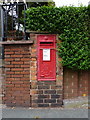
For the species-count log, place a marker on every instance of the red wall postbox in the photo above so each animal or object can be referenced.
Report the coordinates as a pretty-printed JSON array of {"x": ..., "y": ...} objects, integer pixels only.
[{"x": 46, "y": 57}]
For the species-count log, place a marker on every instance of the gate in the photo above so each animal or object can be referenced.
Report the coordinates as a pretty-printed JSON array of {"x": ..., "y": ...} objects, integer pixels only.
[{"x": 12, "y": 25}]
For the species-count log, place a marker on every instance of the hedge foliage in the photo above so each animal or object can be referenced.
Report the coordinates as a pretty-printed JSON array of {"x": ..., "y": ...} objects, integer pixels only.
[{"x": 71, "y": 23}]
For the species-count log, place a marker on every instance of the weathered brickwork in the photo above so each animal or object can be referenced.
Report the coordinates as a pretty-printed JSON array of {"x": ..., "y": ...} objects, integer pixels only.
[
  {"x": 21, "y": 85},
  {"x": 45, "y": 93},
  {"x": 84, "y": 78},
  {"x": 1, "y": 80},
  {"x": 49, "y": 94},
  {"x": 0, "y": 85},
  {"x": 17, "y": 70},
  {"x": 76, "y": 83}
]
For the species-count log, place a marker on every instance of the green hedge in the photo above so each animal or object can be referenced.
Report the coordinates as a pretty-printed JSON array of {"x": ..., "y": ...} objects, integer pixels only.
[{"x": 71, "y": 23}]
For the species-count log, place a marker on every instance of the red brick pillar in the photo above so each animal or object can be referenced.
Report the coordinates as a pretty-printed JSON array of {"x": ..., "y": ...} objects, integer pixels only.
[
  {"x": 45, "y": 93},
  {"x": 33, "y": 72}
]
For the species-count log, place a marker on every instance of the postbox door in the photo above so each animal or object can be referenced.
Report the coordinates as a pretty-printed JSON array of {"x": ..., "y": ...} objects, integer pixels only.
[{"x": 47, "y": 61}]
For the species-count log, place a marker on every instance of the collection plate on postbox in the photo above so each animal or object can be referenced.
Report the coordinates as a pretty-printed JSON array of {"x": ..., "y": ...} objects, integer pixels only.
[
  {"x": 46, "y": 54},
  {"x": 46, "y": 57}
]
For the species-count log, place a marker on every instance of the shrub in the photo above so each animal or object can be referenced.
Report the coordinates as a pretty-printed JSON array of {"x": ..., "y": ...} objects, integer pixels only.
[{"x": 71, "y": 23}]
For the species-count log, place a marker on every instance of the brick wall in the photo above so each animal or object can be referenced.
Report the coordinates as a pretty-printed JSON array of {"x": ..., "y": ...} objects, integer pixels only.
[
  {"x": 21, "y": 85},
  {"x": 17, "y": 79},
  {"x": 84, "y": 77},
  {"x": 75, "y": 83},
  {"x": 0, "y": 85},
  {"x": 48, "y": 95},
  {"x": 1, "y": 79}
]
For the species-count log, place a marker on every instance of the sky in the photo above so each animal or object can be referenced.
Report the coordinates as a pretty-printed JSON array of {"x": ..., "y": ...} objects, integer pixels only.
[
  {"x": 60, "y": 2},
  {"x": 71, "y": 2}
]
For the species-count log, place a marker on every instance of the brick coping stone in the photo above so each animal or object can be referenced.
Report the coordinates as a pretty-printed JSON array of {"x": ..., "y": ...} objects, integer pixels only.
[{"x": 16, "y": 42}]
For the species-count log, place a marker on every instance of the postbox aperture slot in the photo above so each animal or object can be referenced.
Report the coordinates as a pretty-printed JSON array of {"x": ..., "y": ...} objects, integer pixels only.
[{"x": 46, "y": 43}]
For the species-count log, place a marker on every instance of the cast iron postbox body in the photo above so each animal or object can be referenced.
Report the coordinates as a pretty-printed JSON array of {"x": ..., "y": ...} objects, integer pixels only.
[{"x": 46, "y": 57}]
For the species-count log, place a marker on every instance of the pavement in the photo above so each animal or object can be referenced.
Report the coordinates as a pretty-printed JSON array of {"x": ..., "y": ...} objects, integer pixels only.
[
  {"x": 73, "y": 108},
  {"x": 44, "y": 113},
  {"x": 79, "y": 102}
]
